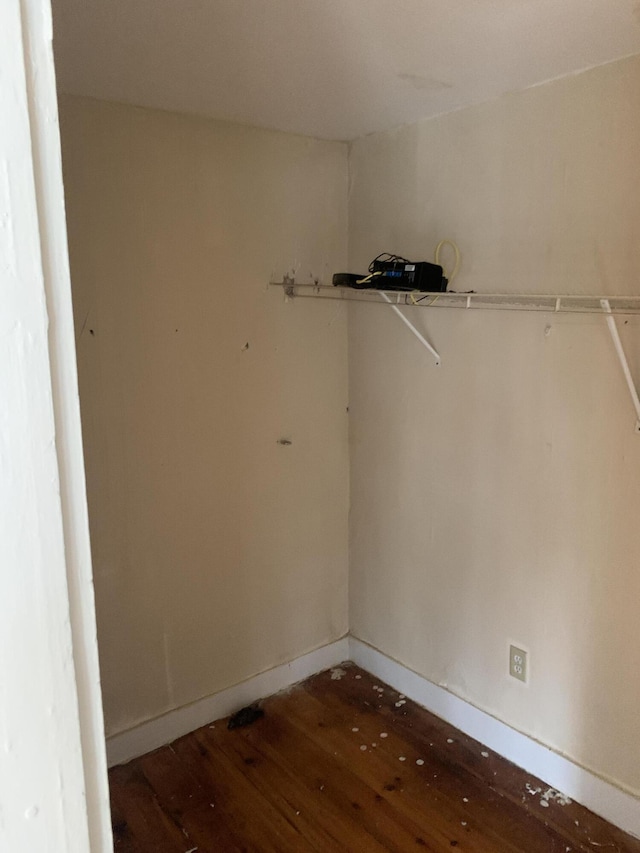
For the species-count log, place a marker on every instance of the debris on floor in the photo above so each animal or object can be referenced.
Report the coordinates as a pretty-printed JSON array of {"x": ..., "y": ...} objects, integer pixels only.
[{"x": 245, "y": 716}]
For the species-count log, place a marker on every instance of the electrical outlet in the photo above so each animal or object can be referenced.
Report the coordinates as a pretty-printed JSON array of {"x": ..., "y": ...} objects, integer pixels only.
[{"x": 518, "y": 663}]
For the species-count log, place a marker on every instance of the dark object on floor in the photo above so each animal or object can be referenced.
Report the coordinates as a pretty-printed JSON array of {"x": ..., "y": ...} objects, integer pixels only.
[{"x": 245, "y": 716}]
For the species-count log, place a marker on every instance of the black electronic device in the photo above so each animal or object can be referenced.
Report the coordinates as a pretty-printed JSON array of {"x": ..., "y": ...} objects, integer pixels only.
[
  {"x": 391, "y": 272},
  {"x": 348, "y": 279},
  {"x": 405, "y": 275}
]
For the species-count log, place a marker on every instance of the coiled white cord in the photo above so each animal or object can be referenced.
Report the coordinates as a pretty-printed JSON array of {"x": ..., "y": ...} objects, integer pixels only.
[{"x": 456, "y": 265}]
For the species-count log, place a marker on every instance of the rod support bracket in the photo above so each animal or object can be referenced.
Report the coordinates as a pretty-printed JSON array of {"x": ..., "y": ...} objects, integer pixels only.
[
  {"x": 622, "y": 358},
  {"x": 425, "y": 343}
]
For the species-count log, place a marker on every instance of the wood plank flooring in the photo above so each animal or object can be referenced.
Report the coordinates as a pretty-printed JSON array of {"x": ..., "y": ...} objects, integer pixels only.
[{"x": 343, "y": 763}]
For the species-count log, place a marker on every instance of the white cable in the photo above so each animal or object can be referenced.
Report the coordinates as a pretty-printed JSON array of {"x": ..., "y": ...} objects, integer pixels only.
[{"x": 456, "y": 266}]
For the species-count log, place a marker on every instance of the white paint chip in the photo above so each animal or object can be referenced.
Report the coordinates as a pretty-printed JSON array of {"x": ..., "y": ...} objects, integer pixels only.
[
  {"x": 420, "y": 761},
  {"x": 449, "y": 740},
  {"x": 193, "y": 850},
  {"x": 383, "y": 734},
  {"x": 355, "y": 729},
  {"x": 465, "y": 799},
  {"x": 463, "y": 823},
  {"x": 402, "y": 758},
  {"x": 484, "y": 754},
  {"x": 358, "y": 677},
  {"x": 547, "y": 796},
  {"x": 337, "y": 673},
  {"x": 560, "y": 798},
  {"x": 363, "y": 747}
]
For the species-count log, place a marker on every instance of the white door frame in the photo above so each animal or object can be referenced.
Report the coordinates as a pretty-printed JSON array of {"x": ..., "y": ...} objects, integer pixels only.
[{"x": 53, "y": 781}]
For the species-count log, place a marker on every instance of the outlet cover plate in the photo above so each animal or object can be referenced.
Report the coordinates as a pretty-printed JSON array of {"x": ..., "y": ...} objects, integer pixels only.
[{"x": 518, "y": 663}]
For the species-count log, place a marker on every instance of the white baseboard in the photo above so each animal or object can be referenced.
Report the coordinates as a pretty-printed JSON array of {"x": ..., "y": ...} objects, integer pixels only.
[
  {"x": 162, "y": 730},
  {"x": 602, "y": 797}
]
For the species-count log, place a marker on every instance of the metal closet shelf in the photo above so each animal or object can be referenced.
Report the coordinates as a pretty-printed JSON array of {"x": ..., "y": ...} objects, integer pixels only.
[
  {"x": 558, "y": 304},
  {"x": 607, "y": 306}
]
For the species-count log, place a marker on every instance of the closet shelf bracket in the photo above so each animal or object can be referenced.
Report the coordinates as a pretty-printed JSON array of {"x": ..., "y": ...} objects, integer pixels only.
[
  {"x": 610, "y": 306},
  {"x": 291, "y": 288},
  {"x": 617, "y": 343},
  {"x": 411, "y": 327}
]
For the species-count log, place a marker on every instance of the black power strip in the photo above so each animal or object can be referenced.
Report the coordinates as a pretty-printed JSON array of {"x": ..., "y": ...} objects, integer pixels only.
[
  {"x": 402, "y": 275},
  {"x": 396, "y": 275}
]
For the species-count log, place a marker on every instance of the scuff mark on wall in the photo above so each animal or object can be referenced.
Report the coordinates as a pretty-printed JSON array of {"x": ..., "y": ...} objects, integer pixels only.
[
  {"x": 84, "y": 324},
  {"x": 167, "y": 666},
  {"x": 424, "y": 83}
]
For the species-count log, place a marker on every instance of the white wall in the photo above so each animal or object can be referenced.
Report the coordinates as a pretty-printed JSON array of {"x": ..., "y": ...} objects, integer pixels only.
[
  {"x": 496, "y": 498},
  {"x": 53, "y": 784},
  {"x": 218, "y": 552},
  {"x": 493, "y": 499}
]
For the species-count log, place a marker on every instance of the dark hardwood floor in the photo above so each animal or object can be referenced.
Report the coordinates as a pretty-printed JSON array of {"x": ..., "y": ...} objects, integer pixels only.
[{"x": 343, "y": 763}]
